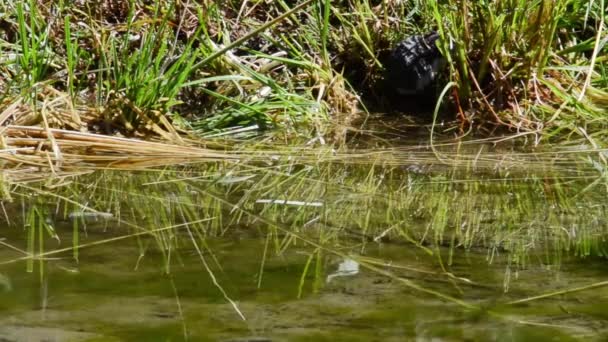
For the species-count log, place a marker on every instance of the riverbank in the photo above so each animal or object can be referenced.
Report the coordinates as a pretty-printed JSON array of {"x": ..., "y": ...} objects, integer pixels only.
[{"x": 307, "y": 69}]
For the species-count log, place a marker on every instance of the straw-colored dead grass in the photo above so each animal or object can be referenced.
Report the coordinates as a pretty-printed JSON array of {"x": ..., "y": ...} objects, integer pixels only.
[{"x": 58, "y": 148}]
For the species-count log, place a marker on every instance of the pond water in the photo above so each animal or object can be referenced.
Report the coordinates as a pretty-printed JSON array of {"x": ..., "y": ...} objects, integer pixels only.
[
  {"x": 385, "y": 247},
  {"x": 110, "y": 296}
]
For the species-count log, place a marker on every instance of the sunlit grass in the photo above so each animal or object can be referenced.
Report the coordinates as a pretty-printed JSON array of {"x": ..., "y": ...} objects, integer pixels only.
[
  {"x": 170, "y": 71},
  {"x": 159, "y": 69}
]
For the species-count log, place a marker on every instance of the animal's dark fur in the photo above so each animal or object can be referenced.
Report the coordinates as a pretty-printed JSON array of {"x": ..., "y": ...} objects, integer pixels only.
[
  {"x": 412, "y": 70},
  {"x": 414, "y": 63}
]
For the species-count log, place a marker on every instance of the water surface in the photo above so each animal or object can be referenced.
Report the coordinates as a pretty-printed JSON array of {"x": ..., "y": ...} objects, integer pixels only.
[{"x": 408, "y": 242}]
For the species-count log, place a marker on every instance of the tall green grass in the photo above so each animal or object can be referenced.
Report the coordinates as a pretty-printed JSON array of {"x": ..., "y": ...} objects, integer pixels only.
[
  {"x": 145, "y": 81},
  {"x": 33, "y": 53},
  {"x": 537, "y": 66},
  {"x": 521, "y": 61}
]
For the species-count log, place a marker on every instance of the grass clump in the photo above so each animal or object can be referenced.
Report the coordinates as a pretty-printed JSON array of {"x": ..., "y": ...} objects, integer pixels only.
[
  {"x": 527, "y": 64},
  {"x": 311, "y": 67},
  {"x": 139, "y": 68}
]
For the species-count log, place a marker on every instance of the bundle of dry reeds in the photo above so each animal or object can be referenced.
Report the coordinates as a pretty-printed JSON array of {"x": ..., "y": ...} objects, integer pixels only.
[{"x": 60, "y": 148}]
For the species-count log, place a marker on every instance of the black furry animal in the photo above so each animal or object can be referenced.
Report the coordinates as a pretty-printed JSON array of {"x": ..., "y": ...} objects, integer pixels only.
[{"x": 413, "y": 65}]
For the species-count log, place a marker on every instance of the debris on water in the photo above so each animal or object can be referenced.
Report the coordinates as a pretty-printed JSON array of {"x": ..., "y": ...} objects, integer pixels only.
[
  {"x": 90, "y": 215},
  {"x": 231, "y": 180},
  {"x": 415, "y": 168},
  {"x": 286, "y": 202},
  {"x": 347, "y": 268},
  {"x": 250, "y": 339},
  {"x": 5, "y": 283}
]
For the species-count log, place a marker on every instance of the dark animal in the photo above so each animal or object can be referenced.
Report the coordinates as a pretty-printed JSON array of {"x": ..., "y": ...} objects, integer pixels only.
[{"x": 413, "y": 66}]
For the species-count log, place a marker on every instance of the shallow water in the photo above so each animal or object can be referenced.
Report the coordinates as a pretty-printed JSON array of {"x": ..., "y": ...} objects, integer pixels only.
[
  {"x": 109, "y": 296},
  {"x": 409, "y": 248}
]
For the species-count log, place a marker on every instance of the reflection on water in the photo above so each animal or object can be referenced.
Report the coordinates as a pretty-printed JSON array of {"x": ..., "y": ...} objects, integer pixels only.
[
  {"x": 411, "y": 242},
  {"x": 112, "y": 294}
]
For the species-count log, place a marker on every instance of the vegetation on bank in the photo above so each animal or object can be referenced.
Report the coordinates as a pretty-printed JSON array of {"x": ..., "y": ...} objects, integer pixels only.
[{"x": 165, "y": 67}]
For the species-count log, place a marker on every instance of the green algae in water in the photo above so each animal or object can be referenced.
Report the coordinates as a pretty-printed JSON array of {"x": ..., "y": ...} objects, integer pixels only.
[{"x": 374, "y": 307}]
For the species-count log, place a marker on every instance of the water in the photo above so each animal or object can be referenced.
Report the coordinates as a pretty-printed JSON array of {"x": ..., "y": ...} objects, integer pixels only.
[
  {"x": 109, "y": 295},
  {"x": 388, "y": 246}
]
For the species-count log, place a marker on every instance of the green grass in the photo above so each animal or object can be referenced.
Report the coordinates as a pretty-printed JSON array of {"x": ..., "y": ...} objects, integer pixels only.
[
  {"x": 513, "y": 56},
  {"x": 144, "y": 68},
  {"x": 163, "y": 69}
]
